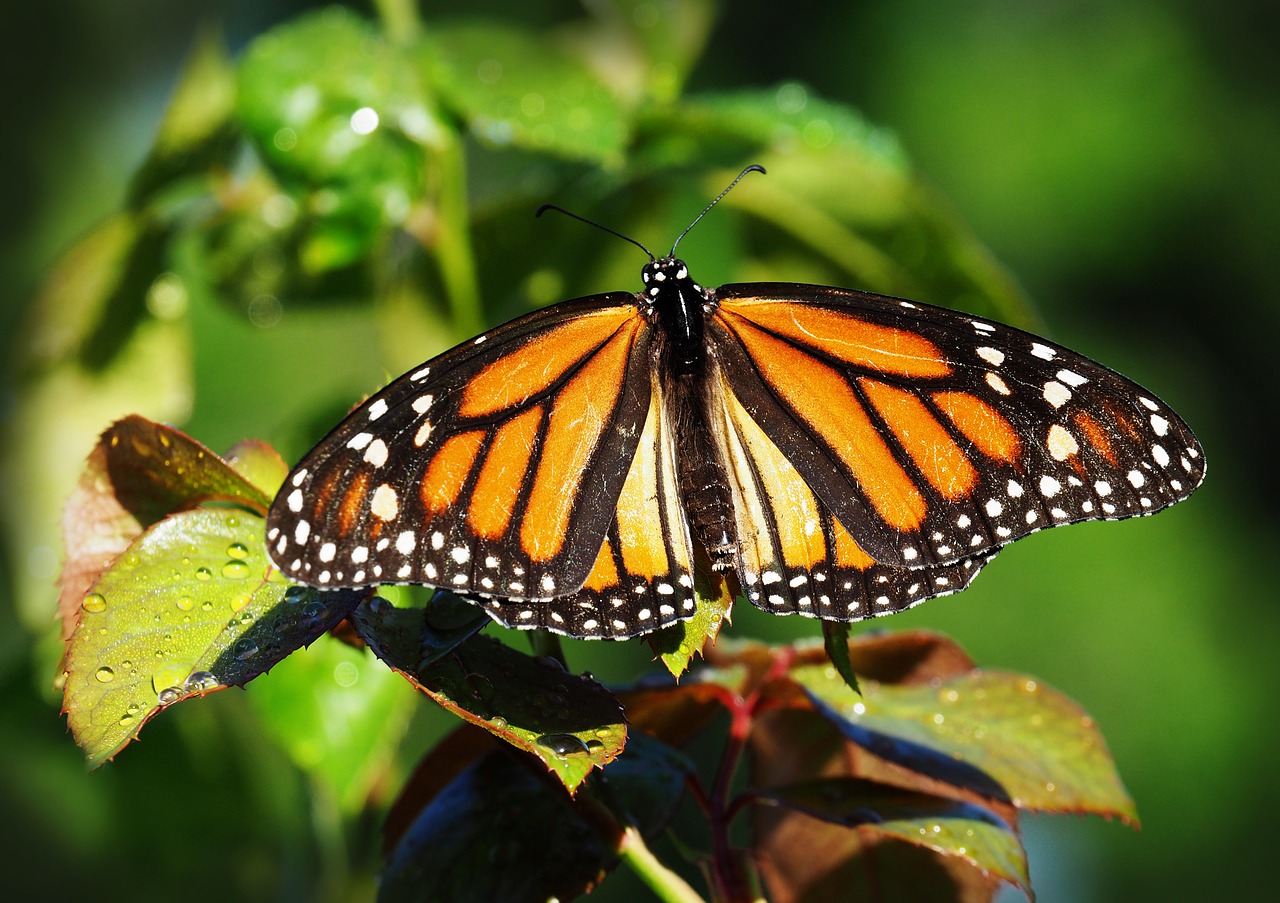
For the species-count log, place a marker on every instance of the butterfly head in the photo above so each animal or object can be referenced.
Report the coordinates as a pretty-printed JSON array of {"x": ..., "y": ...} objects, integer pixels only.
[{"x": 663, "y": 275}]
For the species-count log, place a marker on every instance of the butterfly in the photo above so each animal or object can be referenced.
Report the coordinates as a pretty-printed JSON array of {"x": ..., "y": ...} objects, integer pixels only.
[{"x": 842, "y": 454}]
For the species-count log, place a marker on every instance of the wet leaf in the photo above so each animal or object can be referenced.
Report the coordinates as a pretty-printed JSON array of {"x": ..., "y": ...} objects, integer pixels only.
[
  {"x": 514, "y": 89},
  {"x": 1037, "y": 745},
  {"x": 190, "y": 607},
  {"x": 138, "y": 472},
  {"x": 945, "y": 826},
  {"x": 568, "y": 721}
]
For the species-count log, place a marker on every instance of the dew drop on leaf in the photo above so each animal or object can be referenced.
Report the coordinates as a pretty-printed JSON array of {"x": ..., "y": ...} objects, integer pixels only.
[
  {"x": 95, "y": 602},
  {"x": 235, "y": 570},
  {"x": 203, "y": 573},
  {"x": 236, "y": 549},
  {"x": 169, "y": 695},
  {"x": 245, "y": 648},
  {"x": 200, "y": 681},
  {"x": 498, "y": 723},
  {"x": 105, "y": 675},
  {"x": 184, "y": 603},
  {"x": 562, "y": 745}
]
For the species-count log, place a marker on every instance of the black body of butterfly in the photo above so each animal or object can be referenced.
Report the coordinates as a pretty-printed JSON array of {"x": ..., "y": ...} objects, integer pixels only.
[{"x": 842, "y": 454}]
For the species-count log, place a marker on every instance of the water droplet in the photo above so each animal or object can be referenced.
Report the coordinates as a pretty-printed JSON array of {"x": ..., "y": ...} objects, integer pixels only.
[
  {"x": 594, "y": 745},
  {"x": 105, "y": 675},
  {"x": 126, "y": 664},
  {"x": 239, "y": 602},
  {"x": 235, "y": 570},
  {"x": 203, "y": 573},
  {"x": 562, "y": 745},
  {"x": 237, "y": 549},
  {"x": 313, "y": 613},
  {"x": 244, "y": 649},
  {"x": 499, "y": 723},
  {"x": 94, "y": 602},
  {"x": 125, "y": 719},
  {"x": 170, "y": 676},
  {"x": 200, "y": 681},
  {"x": 206, "y": 605},
  {"x": 184, "y": 603},
  {"x": 169, "y": 695},
  {"x": 481, "y": 686}
]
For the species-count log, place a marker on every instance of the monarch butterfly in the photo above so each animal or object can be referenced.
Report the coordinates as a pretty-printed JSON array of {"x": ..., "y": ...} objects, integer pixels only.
[{"x": 843, "y": 454}]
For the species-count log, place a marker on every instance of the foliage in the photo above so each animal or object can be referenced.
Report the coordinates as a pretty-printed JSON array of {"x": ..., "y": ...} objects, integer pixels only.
[{"x": 338, "y": 160}]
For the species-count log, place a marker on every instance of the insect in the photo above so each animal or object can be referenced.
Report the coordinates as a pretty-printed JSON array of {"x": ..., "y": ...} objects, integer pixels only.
[{"x": 842, "y": 454}]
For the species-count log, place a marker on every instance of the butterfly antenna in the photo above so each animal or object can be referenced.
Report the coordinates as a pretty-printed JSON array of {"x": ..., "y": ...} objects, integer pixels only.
[
  {"x": 545, "y": 207},
  {"x": 754, "y": 167}
]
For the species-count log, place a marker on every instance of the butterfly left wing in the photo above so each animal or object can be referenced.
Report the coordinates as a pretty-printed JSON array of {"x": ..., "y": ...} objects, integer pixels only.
[{"x": 936, "y": 437}]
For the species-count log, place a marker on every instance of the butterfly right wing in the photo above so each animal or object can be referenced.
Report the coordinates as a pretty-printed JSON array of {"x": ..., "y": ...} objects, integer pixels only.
[{"x": 494, "y": 468}]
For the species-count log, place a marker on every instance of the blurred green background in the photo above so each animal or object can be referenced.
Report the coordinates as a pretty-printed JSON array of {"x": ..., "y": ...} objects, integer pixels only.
[{"x": 1121, "y": 159}]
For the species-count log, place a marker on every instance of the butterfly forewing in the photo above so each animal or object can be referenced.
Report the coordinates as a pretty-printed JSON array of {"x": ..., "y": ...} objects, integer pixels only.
[
  {"x": 936, "y": 437},
  {"x": 493, "y": 469}
]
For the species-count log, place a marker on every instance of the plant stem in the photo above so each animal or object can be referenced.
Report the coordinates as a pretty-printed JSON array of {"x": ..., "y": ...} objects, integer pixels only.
[
  {"x": 665, "y": 884},
  {"x": 452, "y": 243},
  {"x": 399, "y": 19}
]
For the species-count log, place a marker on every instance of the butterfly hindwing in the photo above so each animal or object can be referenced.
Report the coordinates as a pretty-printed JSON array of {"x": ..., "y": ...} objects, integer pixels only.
[
  {"x": 642, "y": 578},
  {"x": 794, "y": 556},
  {"x": 492, "y": 469},
  {"x": 935, "y": 436}
]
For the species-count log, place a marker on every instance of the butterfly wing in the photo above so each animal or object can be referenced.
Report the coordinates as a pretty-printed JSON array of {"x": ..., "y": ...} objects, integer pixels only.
[
  {"x": 794, "y": 556},
  {"x": 932, "y": 436},
  {"x": 495, "y": 468},
  {"x": 642, "y": 578}
]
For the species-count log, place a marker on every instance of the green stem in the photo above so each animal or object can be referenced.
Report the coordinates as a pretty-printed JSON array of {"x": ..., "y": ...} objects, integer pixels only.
[
  {"x": 399, "y": 19},
  {"x": 666, "y": 885},
  {"x": 453, "y": 237}
]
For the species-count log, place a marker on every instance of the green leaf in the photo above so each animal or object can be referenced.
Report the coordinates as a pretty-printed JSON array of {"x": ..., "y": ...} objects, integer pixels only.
[
  {"x": 1043, "y": 751},
  {"x": 517, "y": 90},
  {"x": 138, "y": 472},
  {"x": 568, "y": 721},
  {"x": 945, "y": 826},
  {"x": 678, "y": 644},
  {"x": 191, "y": 606},
  {"x": 835, "y": 639},
  {"x": 337, "y": 115}
]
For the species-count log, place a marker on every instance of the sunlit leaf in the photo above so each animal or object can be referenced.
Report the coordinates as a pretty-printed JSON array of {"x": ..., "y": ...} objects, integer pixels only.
[
  {"x": 1039, "y": 746},
  {"x": 568, "y": 721},
  {"x": 190, "y": 607},
  {"x": 677, "y": 644},
  {"x": 514, "y": 89},
  {"x": 835, "y": 639}
]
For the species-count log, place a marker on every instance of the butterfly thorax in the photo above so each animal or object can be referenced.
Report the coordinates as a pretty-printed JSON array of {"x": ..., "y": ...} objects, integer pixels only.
[{"x": 677, "y": 302}]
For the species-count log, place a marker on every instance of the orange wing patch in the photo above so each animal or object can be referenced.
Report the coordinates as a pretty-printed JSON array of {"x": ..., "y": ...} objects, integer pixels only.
[
  {"x": 516, "y": 377},
  {"x": 581, "y": 414},
  {"x": 981, "y": 424},
  {"x": 928, "y": 443},
  {"x": 505, "y": 466},
  {"x": 881, "y": 348},
  {"x": 449, "y": 469},
  {"x": 827, "y": 404},
  {"x": 1096, "y": 435},
  {"x": 604, "y": 573}
]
